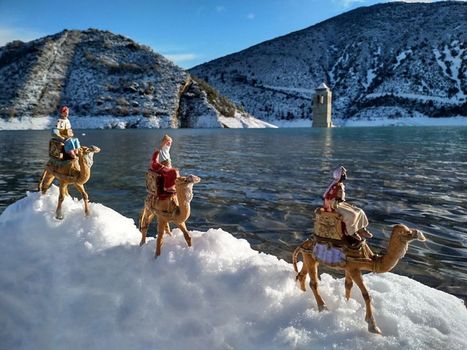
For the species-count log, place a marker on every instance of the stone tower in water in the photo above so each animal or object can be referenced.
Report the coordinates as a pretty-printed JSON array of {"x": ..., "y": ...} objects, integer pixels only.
[{"x": 322, "y": 107}]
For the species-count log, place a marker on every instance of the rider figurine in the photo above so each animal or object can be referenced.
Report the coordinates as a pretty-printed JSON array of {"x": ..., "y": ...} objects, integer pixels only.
[
  {"x": 162, "y": 164},
  {"x": 64, "y": 133},
  {"x": 334, "y": 199}
]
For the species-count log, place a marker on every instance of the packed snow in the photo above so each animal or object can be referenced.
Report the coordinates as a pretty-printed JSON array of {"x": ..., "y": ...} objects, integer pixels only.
[{"x": 84, "y": 283}]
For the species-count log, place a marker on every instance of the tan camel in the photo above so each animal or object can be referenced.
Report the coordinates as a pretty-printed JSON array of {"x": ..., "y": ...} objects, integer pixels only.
[
  {"x": 75, "y": 172},
  {"x": 174, "y": 209},
  {"x": 401, "y": 236}
]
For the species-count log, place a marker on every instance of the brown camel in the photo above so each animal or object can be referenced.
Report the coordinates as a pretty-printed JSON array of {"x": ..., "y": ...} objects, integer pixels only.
[
  {"x": 75, "y": 172},
  {"x": 401, "y": 236},
  {"x": 174, "y": 209}
]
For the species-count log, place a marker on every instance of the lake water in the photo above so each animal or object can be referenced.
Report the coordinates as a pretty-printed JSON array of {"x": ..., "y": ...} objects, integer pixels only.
[{"x": 263, "y": 184}]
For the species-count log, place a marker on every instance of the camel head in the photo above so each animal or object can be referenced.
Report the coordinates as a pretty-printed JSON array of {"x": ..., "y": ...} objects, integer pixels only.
[
  {"x": 406, "y": 234},
  {"x": 188, "y": 180},
  {"x": 87, "y": 154},
  {"x": 184, "y": 184}
]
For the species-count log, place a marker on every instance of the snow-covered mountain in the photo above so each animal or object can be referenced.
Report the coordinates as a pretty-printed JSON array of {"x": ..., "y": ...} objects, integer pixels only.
[
  {"x": 383, "y": 61},
  {"x": 98, "y": 73}
]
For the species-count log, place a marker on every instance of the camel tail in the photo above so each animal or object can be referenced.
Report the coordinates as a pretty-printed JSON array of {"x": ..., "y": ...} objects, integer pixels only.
[{"x": 295, "y": 254}]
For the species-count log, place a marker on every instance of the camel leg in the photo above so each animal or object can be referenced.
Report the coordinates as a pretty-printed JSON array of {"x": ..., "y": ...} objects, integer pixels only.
[
  {"x": 145, "y": 220},
  {"x": 187, "y": 236},
  {"x": 348, "y": 284},
  {"x": 84, "y": 195},
  {"x": 167, "y": 229},
  {"x": 301, "y": 276},
  {"x": 161, "y": 226},
  {"x": 40, "y": 184},
  {"x": 45, "y": 181},
  {"x": 358, "y": 279},
  {"x": 312, "y": 267},
  {"x": 61, "y": 196}
]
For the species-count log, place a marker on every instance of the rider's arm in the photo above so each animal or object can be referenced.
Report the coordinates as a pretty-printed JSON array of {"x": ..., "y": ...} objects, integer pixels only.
[
  {"x": 340, "y": 197},
  {"x": 56, "y": 134},
  {"x": 155, "y": 164}
]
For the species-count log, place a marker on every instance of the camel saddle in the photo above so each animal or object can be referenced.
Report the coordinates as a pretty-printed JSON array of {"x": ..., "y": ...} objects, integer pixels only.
[
  {"x": 330, "y": 239},
  {"x": 155, "y": 185}
]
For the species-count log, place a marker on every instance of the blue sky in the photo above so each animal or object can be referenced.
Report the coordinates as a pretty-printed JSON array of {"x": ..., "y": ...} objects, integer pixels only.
[{"x": 188, "y": 32}]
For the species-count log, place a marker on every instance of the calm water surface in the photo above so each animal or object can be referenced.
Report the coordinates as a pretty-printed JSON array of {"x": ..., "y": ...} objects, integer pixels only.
[{"x": 264, "y": 184}]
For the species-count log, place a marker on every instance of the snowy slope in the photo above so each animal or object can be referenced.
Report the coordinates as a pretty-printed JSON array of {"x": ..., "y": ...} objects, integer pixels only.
[
  {"x": 84, "y": 283},
  {"x": 389, "y": 60}
]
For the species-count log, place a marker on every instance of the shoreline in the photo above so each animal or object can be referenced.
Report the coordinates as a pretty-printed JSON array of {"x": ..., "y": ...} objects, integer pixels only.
[{"x": 140, "y": 122}]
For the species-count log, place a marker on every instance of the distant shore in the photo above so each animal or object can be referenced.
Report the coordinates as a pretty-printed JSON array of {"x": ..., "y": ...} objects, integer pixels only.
[{"x": 111, "y": 122}]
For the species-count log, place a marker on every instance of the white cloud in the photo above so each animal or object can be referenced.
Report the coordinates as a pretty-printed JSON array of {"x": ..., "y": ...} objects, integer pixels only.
[
  {"x": 220, "y": 9},
  {"x": 181, "y": 57},
  {"x": 8, "y": 34},
  {"x": 250, "y": 16},
  {"x": 347, "y": 3},
  {"x": 412, "y": 0}
]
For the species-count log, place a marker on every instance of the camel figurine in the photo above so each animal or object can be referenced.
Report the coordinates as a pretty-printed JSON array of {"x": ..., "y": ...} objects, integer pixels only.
[
  {"x": 401, "y": 236},
  {"x": 70, "y": 174},
  {"x": 174, "y": 209}
]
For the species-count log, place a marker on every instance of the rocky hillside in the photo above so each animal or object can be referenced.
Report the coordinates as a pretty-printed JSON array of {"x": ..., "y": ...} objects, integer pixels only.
[
  {"x": 97, "y": 73},
  {"x": 388, "y": 60}
]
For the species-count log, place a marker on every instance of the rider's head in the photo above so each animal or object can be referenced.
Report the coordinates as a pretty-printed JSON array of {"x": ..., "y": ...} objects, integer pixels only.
[
  {"x": 340, "y": 173},
  {"x": 64, "y": 112},
  {"x": 166, "y": 141}
]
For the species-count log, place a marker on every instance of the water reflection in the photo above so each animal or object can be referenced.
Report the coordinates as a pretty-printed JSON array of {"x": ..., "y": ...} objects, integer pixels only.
[{"x": 263, "y": 185}]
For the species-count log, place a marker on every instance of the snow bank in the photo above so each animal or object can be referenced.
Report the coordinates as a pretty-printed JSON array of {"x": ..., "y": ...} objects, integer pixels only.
[
  {"x": 242, "y": 121},
  {"x": 297, "y": 123},
  {"x": 84, "y": 283},
  {"x": 239, "y": 121},
  {"x": 111, "y": 122},
  {"x": 418, "y": 120}
]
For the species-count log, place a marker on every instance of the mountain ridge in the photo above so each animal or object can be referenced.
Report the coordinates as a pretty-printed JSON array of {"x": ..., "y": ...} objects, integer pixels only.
[
  {"x": 99, "y": 73},
  {"x": 371, "y": 60}
]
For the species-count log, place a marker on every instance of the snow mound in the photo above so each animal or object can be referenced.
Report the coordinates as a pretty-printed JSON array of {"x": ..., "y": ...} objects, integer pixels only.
[{"x": 84, "y": 283}]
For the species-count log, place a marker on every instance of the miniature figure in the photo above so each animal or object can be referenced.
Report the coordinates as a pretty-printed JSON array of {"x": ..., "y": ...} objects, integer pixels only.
[
  {"x": 69, "y": 172},
  {"x": 353, "y": 260},
  {"x": 174, "y": 207},
  {"x": 161, "y": 163},
  {"x": 168, "y": 198},
  {"x": 64, "y": 134},
  {"x": 354, "y": 218}
]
